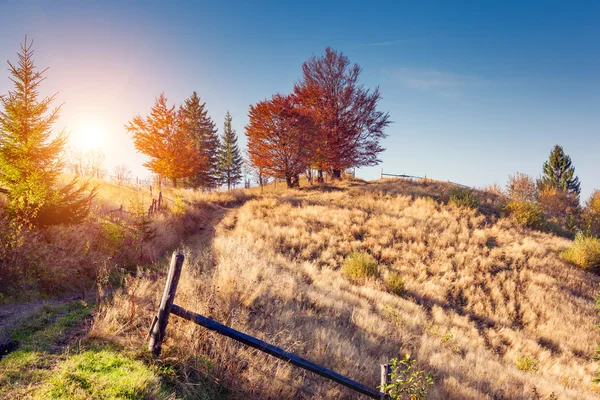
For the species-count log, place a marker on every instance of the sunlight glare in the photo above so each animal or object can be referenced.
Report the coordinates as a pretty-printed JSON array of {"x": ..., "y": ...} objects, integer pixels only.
[{"x": 87, "y": 134}]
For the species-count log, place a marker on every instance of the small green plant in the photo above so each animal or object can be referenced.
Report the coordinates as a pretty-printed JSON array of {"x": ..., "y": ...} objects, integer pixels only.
[
  {"x": 526, "y": 363},
  {"x": 407, "y": 381},
  {"x": 179, "y": 207},
  {"x": 395, "y": 284},
  {"x": 584, "y": 252},
  {"x": 527, "y": 214},
  {"x": 463, "y": 198},
  {"x": 359, "y": 266}
]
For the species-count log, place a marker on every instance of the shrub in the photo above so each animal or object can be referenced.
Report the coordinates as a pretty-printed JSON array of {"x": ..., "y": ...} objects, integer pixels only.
[
  {"x": 395, "y": 284},
  {"x": 179, "y": 208},
  {"x": 526, "y": 213},
  {"x": 591, "y": 214},
  {"x": 359, "y": 266},
  {"x": 463, "y": 198},
  {"x": 407, "y": 380},
  {"x": 521, "y": 187},
  {"x": 584, "y": 252},
  {"x": 526, "y": 363},
  {"x": 560, "y": 206}
]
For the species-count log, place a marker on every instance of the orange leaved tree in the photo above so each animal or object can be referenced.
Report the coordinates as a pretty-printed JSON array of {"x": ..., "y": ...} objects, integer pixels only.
[
  {"x": 164, "y": 138},
  {"x": 350, "y": 126},
  {"x": 280, "y": 138}
]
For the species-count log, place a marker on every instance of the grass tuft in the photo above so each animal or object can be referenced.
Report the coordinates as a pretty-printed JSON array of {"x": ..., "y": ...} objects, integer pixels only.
[
  {"x": 584, "y": 252},
  {"x": 358, "y": 266}
]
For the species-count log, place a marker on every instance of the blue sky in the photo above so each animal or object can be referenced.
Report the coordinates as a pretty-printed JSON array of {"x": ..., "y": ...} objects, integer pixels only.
[{"x": 476, "y": 90}]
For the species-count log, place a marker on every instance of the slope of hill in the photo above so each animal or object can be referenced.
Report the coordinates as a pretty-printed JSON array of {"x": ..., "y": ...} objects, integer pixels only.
[{"x": 489, "y": 308}]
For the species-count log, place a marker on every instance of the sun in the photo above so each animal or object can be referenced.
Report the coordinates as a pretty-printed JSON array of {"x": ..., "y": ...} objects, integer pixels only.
[{"x": 88, "y": 133}]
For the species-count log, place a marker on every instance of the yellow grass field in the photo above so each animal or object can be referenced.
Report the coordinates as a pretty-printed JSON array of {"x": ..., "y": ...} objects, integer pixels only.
[{"x": 489, "y": 307}]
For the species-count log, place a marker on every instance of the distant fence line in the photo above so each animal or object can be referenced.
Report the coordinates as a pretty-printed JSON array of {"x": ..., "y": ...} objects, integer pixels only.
[{"x": 422, "y": 177}]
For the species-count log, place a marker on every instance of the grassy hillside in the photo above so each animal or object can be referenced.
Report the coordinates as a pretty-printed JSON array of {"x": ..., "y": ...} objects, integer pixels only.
[{"x": 486, "y": 306}]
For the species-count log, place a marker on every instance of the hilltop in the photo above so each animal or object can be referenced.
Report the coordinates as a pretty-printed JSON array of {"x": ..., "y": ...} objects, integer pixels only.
[{"x": 485, "y": 305}]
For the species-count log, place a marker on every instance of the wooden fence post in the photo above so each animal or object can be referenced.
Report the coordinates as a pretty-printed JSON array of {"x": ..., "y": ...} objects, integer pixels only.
[
  {"x": 385, "y": 380},
  {"x": 159, "y": 327}
]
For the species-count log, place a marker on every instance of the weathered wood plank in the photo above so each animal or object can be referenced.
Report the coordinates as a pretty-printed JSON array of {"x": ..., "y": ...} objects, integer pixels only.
[
  {"x": 159, "y": 328},
  {"x": 275, "y": 351}
]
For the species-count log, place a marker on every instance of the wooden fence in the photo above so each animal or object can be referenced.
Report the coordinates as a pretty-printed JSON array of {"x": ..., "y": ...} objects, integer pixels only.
[
  {"x": 159, "y": 327},
  {"x": 421, "y": 177}
]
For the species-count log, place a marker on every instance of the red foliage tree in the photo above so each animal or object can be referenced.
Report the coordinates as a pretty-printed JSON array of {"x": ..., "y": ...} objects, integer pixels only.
[
  {"x": 163, "y": 137},
  {"x": 280, "y": 138},
  {"x": 350, "y": 127}
]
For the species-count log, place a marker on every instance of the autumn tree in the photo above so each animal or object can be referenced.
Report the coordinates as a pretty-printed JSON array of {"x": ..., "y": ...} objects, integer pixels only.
[
  {"x": 350, "y": 127},
  {"x": 591, "y": 213},
  {"x": 95, "y": 163},
  {"x": 163, "y": 137},
  {"x": 204, "y": 133},
  {"x": 559, "y": 173},
  {"x": 229, "y": 156},
  {"x": 31, "y": 153},
  {"x": 522, "y": 187},
  {"x": 280, "y": 138},
  {"x": 122, "y": 173}
]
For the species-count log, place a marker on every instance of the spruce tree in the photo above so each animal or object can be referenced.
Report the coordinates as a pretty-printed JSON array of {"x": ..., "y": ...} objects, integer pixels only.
[
  {"x": 31, "y": 153},
  {"x": 204, "y": 132},
  {"x": 230, "y": 158},
  {"x": 559, "y": 173}
]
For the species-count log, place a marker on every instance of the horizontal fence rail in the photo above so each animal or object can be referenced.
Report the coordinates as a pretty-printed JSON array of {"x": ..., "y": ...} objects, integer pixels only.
[
  {"x": 274, "y": 351},
  {"x": 422, "y": 177},
  {"x": 167, "y": 307}
]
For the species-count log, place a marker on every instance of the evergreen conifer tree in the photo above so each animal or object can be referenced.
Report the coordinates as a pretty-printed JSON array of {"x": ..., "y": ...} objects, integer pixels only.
[
  {"x": 559, "y": 173},
  {"x": 204, "y": 132},
  {"x": 31, "y": 154},
  {"x": 230, "y": 158}
]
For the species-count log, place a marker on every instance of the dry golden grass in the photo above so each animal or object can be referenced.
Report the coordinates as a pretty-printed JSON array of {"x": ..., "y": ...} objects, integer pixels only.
[{"x": 480, "y": 296}]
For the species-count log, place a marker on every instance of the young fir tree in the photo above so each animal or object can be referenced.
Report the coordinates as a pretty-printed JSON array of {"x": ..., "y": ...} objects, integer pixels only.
[
  {"x": 230, "y": 158},
  {"x": 204, "y": 132},
  {"x": 31, "y": 154},
  {"x": 559, "y": 173}
]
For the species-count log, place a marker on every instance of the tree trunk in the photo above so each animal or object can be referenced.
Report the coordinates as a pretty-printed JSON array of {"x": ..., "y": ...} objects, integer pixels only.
[
  {"x": 336, "y": 174},
  {"x": 320, "y": 177},
  {"x": 174, "y": 180},
  {"x": 288, "y": 181}
]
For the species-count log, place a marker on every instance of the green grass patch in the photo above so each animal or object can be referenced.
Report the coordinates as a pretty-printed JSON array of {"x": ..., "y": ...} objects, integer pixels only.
[
  {"x": 584, "y": 252},
  {"x": 44, "y": 327},
  {"x": 395, "y": 284},
  {"x": 359, "y": 266},
  {"x": 463, "y": 198},
  {"x": 103, "y": 374}
]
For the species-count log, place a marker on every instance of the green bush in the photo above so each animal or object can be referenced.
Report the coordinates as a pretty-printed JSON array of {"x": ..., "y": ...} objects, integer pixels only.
[
  {"x": 584, "y": 252},
  {"x": 395, "y": 284},
  {"x": 526, "y": 363},
  {"x": 359, "y": 266},
  {"x": 526, "y": 213},
  {"x": 463, "y": 198},
  {"x": 407, "y": 381}
]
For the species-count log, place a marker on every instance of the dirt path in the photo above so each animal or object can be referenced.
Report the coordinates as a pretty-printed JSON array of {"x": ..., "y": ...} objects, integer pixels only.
[
  {"x": 206, "y": 232},
  {"x": 12, "y": 314}
]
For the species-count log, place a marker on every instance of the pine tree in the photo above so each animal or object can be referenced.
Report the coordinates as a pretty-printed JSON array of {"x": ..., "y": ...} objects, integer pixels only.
[
  {"x": 204, "y": 133},
  {"x": 559, "y": 173},
  {"x": 230, "y": 158},
  {"x": 31, "y": 154}
]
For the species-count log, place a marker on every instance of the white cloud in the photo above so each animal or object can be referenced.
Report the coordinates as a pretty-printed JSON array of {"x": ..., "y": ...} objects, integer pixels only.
[
  {"x": 387, "y": 43},
  {"x": 440, "y": 82}
]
